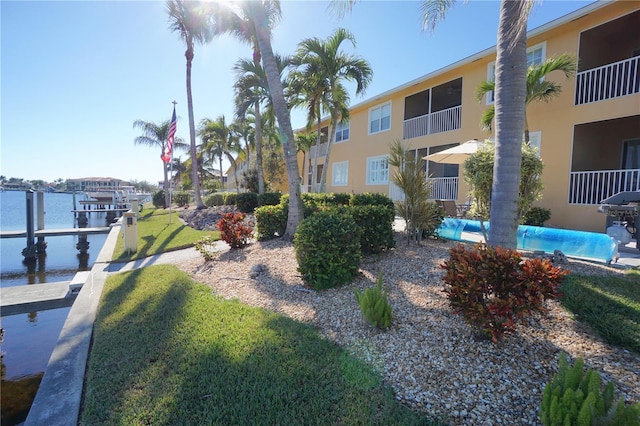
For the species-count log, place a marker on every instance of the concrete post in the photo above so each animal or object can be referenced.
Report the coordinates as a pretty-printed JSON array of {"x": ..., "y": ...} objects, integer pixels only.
[{"x": 41, "y": 245}]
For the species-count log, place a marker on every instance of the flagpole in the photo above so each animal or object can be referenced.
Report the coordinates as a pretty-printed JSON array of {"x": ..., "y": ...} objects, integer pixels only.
[{"x": 171, "y": 168}]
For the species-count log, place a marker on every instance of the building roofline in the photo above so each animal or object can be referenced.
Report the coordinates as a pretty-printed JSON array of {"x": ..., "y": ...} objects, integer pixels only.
[{"x": 583, "y": 11}]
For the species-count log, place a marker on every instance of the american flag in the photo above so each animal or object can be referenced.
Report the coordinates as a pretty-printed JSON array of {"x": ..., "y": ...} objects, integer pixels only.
[{"x": 168, "y": 151}]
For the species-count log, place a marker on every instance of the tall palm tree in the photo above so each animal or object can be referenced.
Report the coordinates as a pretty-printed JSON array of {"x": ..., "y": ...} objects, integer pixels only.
[
  {"x": 156, "y": 135},
  {"x": 217, "y": 140},
  {"x": 331, "y": 67},
  {"x": 510, "y": 94},
  {"x": 252, "y": 91},
  {"x": 191, "y": 20},
  {"x": 259, "y": 17},
  {"x": 538, "y": 88},
  {"x": 239, "y": 23}
]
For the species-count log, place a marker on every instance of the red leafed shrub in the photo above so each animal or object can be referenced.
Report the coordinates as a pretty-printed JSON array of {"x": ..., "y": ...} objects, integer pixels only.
[
  {"x": 233, "y": 230},
  {"x": 492, "y": 287}
]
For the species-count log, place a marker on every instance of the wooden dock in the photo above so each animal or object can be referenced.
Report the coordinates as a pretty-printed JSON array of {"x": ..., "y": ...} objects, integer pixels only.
[{"x": 57, "y": 232}]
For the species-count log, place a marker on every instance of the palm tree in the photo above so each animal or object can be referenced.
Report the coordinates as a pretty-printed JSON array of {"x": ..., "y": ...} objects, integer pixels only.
[
  {"x": 538, "y": 88},
  {"x": 218, "y": 140},
  {"x": 304, "y": 141},
  {"x": 331, "y": 66},
  {"x": 252, "y": 92},
  {"x": 259, "y": 16},
  {"x": 156, "y": 135},
  {"x": 190, "y": 20},
  {"x": 510, "y": 94}
]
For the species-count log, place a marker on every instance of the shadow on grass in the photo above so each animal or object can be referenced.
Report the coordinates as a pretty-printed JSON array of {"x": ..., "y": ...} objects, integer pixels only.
[{"x": 167, "y": 352}]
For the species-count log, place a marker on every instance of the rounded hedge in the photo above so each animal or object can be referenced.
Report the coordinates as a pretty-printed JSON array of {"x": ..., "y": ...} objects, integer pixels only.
[{"x": 327, "y": 248}]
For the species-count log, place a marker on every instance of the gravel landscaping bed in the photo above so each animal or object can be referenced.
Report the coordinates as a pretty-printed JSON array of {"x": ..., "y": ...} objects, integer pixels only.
[{"x": 434, "y": 361}]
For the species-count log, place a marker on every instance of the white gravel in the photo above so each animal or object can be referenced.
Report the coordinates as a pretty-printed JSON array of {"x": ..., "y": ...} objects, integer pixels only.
[{"x": 433, "y": 359}]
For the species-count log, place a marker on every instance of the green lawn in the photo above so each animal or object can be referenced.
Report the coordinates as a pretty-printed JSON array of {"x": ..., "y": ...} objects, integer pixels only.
[
  {"x": 610, "y": 305},
  {"x": 166, "y": 351},
  {"x": 156, "y": 234}
]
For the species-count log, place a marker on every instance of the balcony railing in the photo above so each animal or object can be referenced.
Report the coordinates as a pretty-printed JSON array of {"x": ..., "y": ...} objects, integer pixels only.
[
  {"x": 436, "y": 122},
  {"x": 322, "y": 150},
  {"x": 609, "y": 81},
  {"x": 594, "y": 186},
  {"x": 443, "y": 188}
]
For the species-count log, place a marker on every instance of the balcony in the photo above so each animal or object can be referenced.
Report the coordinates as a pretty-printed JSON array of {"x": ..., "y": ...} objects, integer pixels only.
[
  {"x": 436, "y": 122},
  {"x": 609, "y": 81},
  {"x": 591, "y": 187},
  {"x": 443, "y": 188}
]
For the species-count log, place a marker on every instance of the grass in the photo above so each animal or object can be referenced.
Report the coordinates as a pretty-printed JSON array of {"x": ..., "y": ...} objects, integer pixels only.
[
  {"x": 166, "y": 351},
  {"x": 610, "y": 305},
  {"x": 156, "y": 235}
]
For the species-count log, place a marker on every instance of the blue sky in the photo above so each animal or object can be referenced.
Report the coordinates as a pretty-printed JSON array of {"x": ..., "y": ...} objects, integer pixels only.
[{"x": 75, "y": 75}]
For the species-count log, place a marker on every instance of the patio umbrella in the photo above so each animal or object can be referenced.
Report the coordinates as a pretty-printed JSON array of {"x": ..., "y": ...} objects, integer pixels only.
[{"x": 457, "y": 154}]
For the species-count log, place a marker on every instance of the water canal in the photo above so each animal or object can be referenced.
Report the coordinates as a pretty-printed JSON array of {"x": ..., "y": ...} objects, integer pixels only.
[{"x": 30, "y": 338}]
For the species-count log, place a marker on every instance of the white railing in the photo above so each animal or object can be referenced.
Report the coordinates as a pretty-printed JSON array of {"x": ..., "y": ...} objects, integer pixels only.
[
  {"x": 435, "y": 122},
  {"x": 322, "y": 150},
  {"x": 609, "y": 81},
  {"x": 443, "y": 188},
  {"x": 594, "y": 186}
]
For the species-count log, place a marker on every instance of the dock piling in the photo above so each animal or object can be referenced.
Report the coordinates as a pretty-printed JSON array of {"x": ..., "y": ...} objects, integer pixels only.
[{"x": 29, "y": 252}]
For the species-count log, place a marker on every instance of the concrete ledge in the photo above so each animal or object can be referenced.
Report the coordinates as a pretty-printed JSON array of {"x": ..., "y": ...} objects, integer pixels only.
[
  {"x": 35, "y": 297},
  {"x": 59, "y": 395}
]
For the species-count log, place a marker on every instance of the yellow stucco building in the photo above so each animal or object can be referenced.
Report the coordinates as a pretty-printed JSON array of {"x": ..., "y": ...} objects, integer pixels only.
[{"x": 588, "y": 137}]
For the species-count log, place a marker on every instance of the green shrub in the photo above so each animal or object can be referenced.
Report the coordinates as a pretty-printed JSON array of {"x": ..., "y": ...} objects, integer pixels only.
[
  {"x": 247, "y": 201},
  {"x": 271, "y": 221},
  {"x": 371, "y": 199},
  {"x": 207, "y": 247},
  {"x": 492, "y": 287},
  {"x": 327, "y": 248},
  {"x": 158, "y": 199},
  {"x": 376, "y": 224},
  {"x": 230, "y": 198},
  {"x": 536, "y": 216},
  {"x": 374, "y": 305},
  {"x": 181, "y": 198},
  {"x": 233, "y": 230},
  {"x": 269, "y": 198},
  {"x": 574, "y": 397},
  {"x": 213, "y": 200}
]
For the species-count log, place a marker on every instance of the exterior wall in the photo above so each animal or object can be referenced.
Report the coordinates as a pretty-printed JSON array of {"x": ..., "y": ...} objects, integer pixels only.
[{"x": 555, "y": 120}]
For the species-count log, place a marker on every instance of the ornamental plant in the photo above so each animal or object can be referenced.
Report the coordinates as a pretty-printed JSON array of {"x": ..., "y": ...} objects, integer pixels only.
[
  {"x": 575, "y": 397},
  {"x": 207, "y": 247},
  {"x": 492, "y": 287},
  {"x": 233, "y": 230},
  {"x": 271, "y": 221},
  {"x": 327, "y": 246},
  {"x": 374, "y": 305}
]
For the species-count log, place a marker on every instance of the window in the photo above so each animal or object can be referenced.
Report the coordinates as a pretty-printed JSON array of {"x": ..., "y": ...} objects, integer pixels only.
[
  {"x": 378, "y": 170},
  {"x": 340, "y": 173},
  {"x": 534, "y": 140},
  {"x": 342, "y": 132},
  {"x": 535, "y": 55},
  {"x": 380, "y": 118}
]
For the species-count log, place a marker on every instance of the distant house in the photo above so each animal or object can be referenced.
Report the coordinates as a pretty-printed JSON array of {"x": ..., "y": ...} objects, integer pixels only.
[
  {"x": 588, "y": 137},
  {"x": 94, "y": 184}
]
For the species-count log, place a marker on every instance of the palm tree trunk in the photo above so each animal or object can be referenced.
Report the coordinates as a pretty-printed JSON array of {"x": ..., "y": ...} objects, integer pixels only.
[
  {"x": 314, "y": 170},
  {"x": 323, "y": 178},
  {"x": 526, "y": 127},
  {"x": 284, "y": 120},
  {"x": 511, "y": 69},
  {"x": 258, "y": 118},
  {"x": 192, "y": 128},
  {"x": 221, "y": 175}
]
